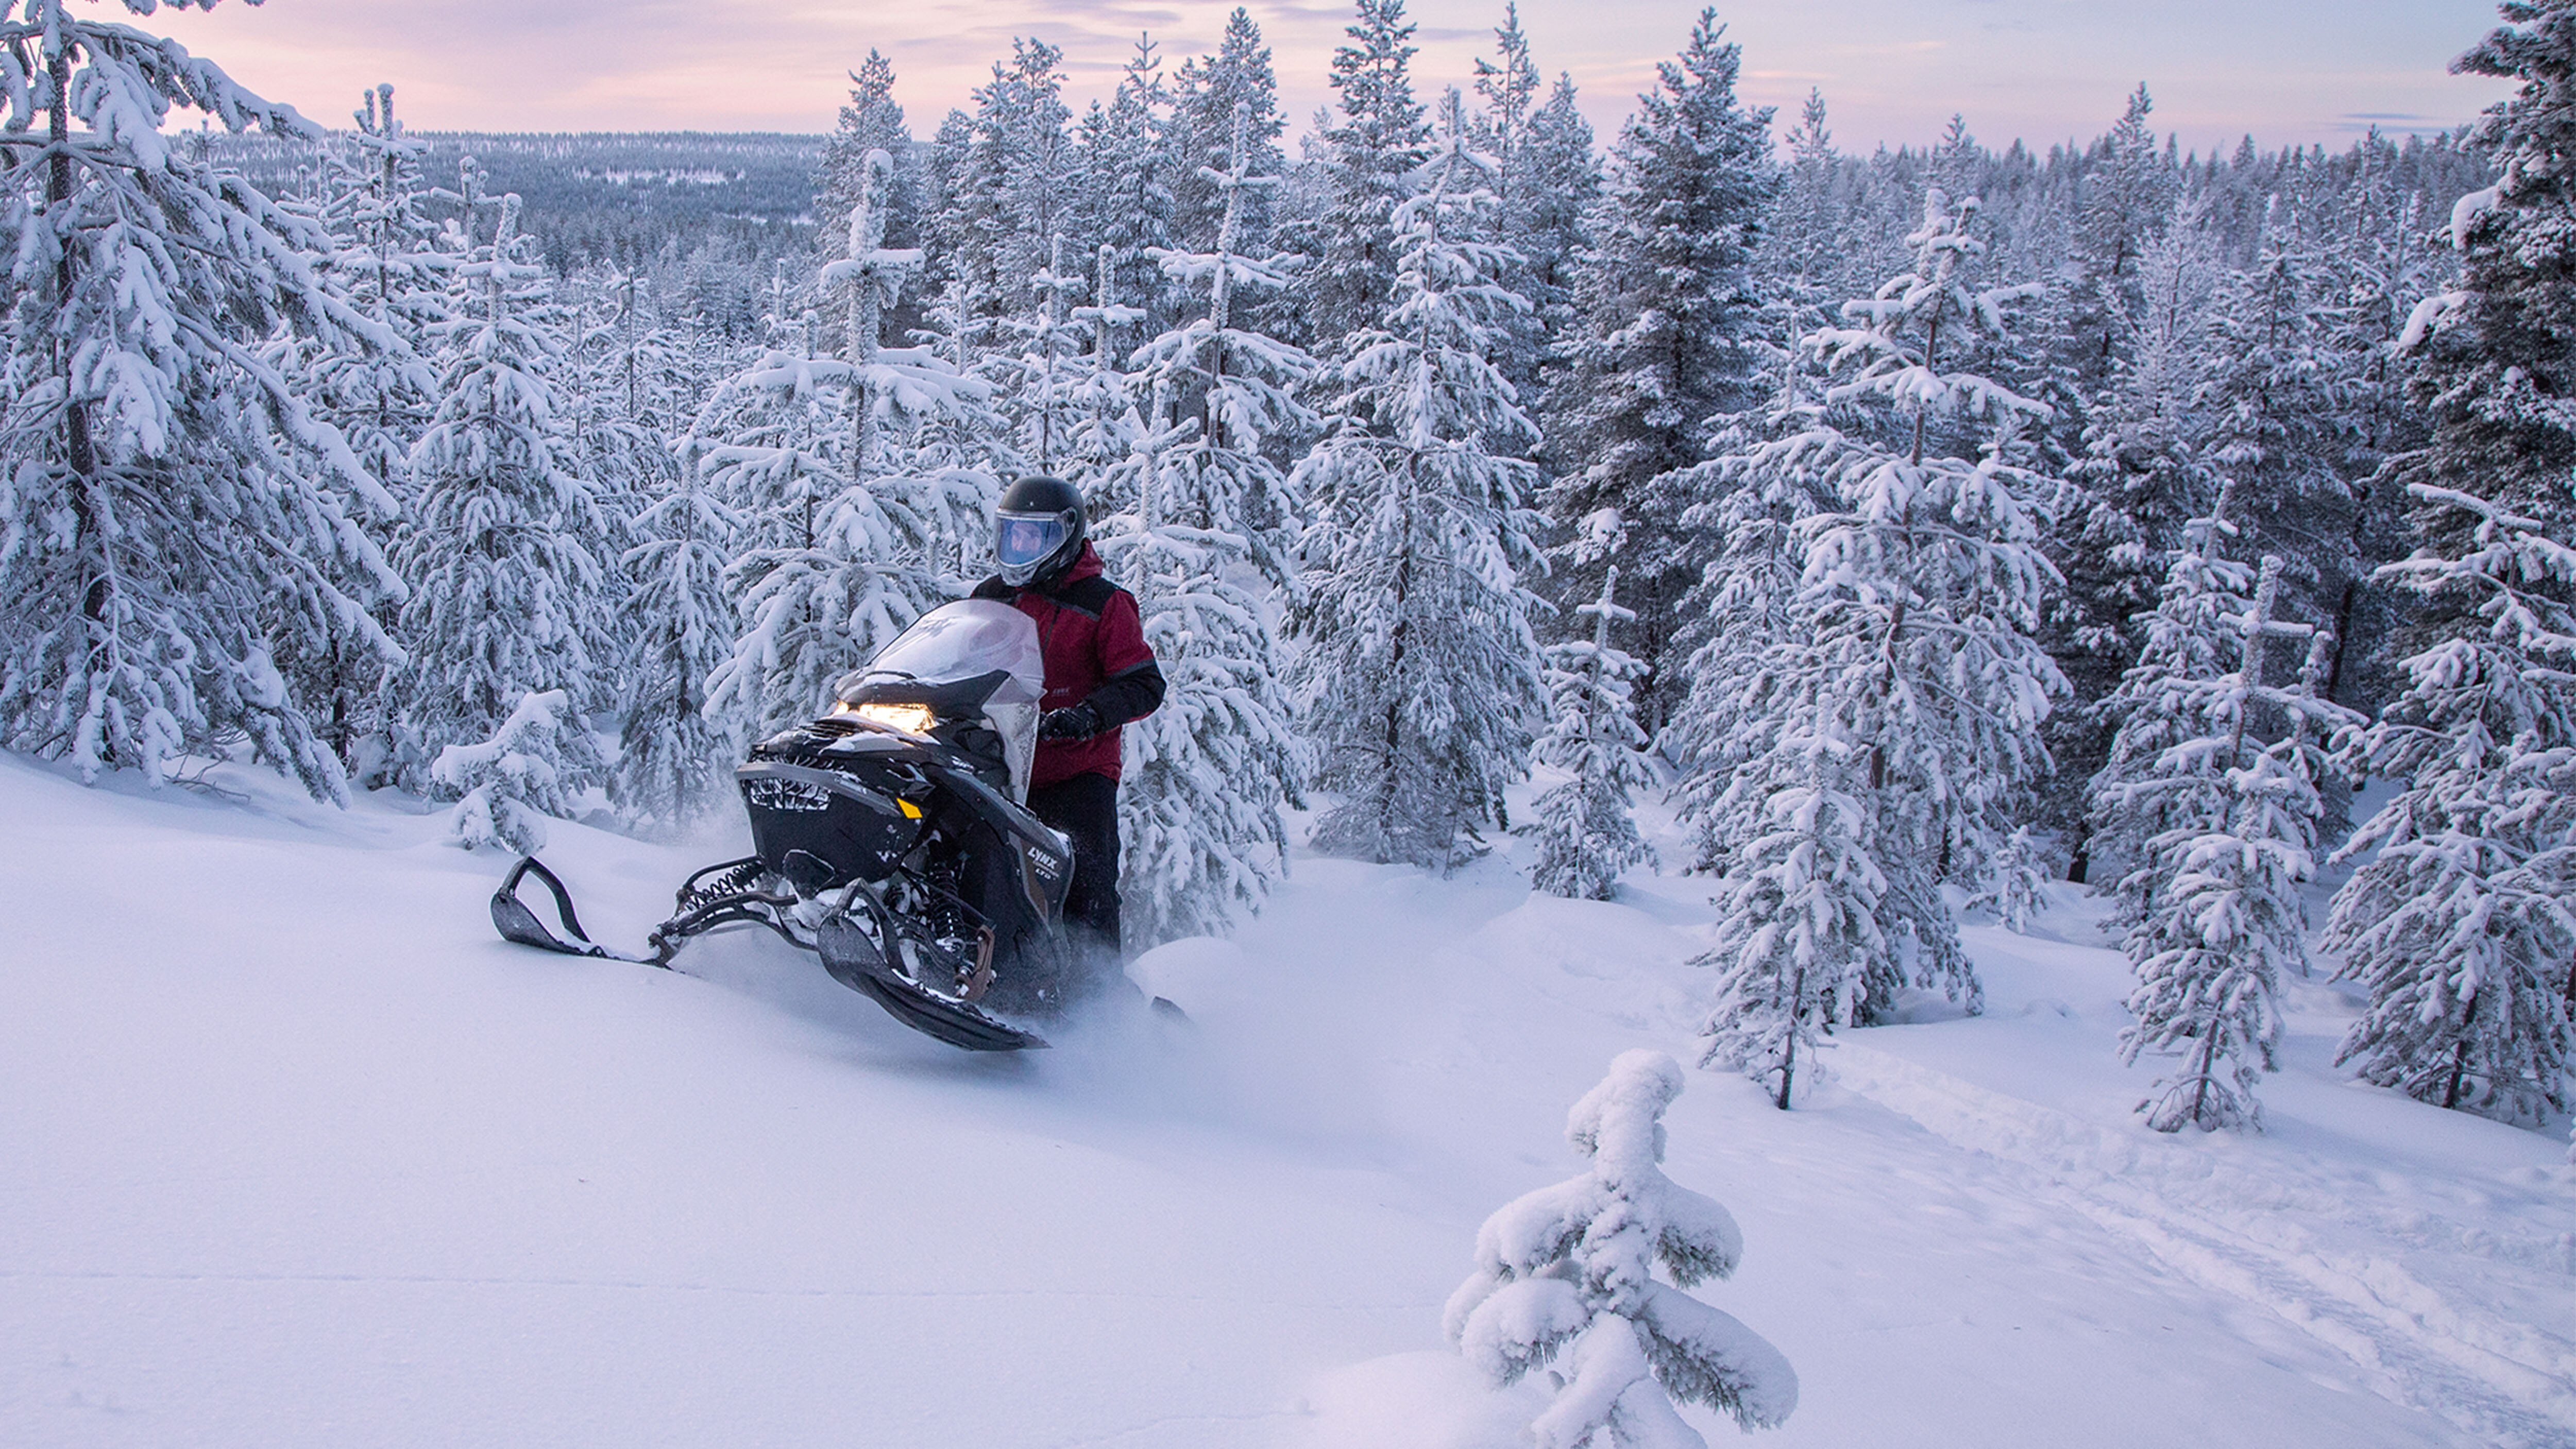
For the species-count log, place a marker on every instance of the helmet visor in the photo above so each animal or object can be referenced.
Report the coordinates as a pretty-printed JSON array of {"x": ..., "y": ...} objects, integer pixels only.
[{"x": 1023, "y": 540}]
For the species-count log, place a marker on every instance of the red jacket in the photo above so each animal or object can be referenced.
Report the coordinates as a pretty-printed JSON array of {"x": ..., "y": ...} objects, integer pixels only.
[{"x": 1094, "y": 642}]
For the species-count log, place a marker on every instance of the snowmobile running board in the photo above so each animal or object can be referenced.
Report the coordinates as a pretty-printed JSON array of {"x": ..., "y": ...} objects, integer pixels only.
[{"x": 852, "y": 958}]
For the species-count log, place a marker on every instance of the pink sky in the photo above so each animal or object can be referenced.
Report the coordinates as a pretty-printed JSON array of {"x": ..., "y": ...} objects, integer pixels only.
[{"x": 1891, "y": 70}]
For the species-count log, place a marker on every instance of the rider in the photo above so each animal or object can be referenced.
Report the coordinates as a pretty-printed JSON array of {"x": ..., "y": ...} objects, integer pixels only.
[{"x": 1099, "y": 676}]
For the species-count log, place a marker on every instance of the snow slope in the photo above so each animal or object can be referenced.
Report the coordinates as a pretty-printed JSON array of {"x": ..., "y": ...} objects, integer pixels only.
[{"x": 297, "y": 1153}]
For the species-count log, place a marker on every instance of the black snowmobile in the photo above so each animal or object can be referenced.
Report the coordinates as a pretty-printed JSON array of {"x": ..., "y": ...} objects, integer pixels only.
[{"x": 892, "y": 841}]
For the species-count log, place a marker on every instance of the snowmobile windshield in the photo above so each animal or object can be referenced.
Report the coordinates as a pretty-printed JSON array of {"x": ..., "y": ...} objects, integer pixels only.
[
  {"x": 958, "y": 642},
  {"x": 1024, "y": 540}
]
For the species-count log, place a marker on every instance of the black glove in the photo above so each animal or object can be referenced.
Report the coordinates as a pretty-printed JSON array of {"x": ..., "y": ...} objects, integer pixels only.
[{"x": 1078, "y": 723}]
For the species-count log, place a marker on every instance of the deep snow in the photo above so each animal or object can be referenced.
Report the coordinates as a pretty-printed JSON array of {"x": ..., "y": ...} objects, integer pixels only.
[{"x": 298, "y": 1153}]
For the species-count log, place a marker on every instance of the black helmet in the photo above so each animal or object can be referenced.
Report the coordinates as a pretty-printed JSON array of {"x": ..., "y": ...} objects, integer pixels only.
[{"x": 1037, "y": 530}]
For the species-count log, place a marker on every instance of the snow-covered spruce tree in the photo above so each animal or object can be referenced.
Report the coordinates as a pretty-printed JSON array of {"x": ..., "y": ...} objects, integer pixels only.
[
  {"x": 1509, "y": 87},
  {"x": 2459, "y": 917},
  {"x": 506, "y": 586},
  {"x": 1566, "y": 1276},
  {"x": 1910, "y": 643},
  {"x": 1421, "y": 667},
  {"x": 1663, "y": 345},
  {"x": 1755, "y": 502},
  {"x": 1022, "y": 171},
  {"x": 1560, "y": 183},
  {"x": 1208, "y": 773},
  {"x": 172, "y": 517},
  {"x": 2192, "y": 639},
  {"x": 1586, "y": 825},
  {"x": 2217, "y": 826}
]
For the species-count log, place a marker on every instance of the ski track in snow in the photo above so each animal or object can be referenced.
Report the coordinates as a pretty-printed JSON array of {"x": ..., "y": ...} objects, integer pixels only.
[
  {"x": 301, "y": 1156},
  {"x": 2324, "y": 1261}
]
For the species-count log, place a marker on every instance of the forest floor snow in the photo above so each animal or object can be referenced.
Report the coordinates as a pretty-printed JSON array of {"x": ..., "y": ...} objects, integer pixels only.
[{"x": 297, "y": 1153}]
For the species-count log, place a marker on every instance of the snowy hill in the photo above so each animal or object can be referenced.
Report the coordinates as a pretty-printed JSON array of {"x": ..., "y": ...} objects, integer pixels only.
[{"x": 300, "y": 1154}]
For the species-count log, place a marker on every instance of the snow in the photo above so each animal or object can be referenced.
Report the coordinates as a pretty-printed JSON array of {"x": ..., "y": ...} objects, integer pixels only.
[{"x": 301, "y": 1154}]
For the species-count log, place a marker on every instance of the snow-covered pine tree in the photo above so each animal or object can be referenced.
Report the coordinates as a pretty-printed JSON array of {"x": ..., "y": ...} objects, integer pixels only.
[
  {"x": 384, "y": 261},
  {"x": 2459, "y": 917},
  {"x": 2216, "y": 825},
  {"x": 1371, "y": 153},
  {"x": 1799, "y": 947},
  {"x": 1126, "y": 204},
  {"x": 670, "y": 771},
  {"x": 1208, "y": 773},
  {"x": 1566, "y": 1275},
  {"x": 2128, "y": 199},
  {"x": 963, "y": 446},
  {"x": 1586, "y": 825},
  {"x": 871, "y": 121},
  {"x": 172, "y": 517},
  {"x": 1051, "y": 372},
  {"x": 1909, "y": 649},
  {"x": 506, "y": 583},
  {"x": 1102, "y": 400},
  {"x": 1561, "y": 181},
  {"x": 846, "y": 537},
  {"x": 1205, "y": 94},
  {"x": 536, "y": 764},
  {"x": 1663, "y": 349},
  {"x": 1421, "y": 666},
  {"x": 384, "y": 257}
]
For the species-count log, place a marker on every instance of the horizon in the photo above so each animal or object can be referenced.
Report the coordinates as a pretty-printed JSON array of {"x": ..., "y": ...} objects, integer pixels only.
[{"x": 1892, "y": 73}]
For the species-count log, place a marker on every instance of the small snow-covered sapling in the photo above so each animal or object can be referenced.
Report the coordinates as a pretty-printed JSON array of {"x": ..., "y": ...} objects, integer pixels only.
[{"x": 1565, "y": 1276}]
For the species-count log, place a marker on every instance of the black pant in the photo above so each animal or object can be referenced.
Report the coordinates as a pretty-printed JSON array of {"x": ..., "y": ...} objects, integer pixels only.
[{"x": 1086, "y": 808}]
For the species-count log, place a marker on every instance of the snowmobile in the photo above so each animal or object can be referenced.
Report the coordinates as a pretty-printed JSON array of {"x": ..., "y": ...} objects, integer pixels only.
[{"x": 892, "y": 840}]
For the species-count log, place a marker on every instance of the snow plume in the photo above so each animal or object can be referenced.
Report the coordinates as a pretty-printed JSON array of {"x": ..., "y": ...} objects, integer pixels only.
[{"x": 1565, "y": 1275}]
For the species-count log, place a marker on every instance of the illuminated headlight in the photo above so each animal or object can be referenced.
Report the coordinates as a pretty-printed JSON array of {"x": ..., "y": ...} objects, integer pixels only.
[{"x": 913, "y": 719}]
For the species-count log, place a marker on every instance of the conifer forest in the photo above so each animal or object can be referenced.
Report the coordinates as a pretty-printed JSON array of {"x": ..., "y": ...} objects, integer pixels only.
[{"x": 1924, "y": 525}]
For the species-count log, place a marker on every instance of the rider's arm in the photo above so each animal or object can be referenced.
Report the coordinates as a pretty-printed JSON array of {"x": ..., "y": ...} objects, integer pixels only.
[{"x": 1134, "y": 687}]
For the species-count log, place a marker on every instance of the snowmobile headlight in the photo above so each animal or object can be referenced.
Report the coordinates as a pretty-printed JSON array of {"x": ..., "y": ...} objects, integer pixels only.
[{"x": 913, "y": 719}]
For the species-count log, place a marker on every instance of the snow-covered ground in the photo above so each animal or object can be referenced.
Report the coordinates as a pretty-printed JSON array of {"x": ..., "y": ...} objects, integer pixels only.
[{"x": 293, "y": 1151}]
